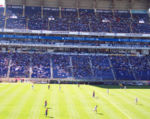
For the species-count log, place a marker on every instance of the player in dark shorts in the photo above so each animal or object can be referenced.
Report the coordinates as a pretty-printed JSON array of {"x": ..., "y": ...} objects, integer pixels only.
[
  {"x": 48, "y": 87},
  {"x": 46, "y": 112},
  {"x": 45, "y": 103},
  {"x": 78, "y": 85},
  {"x": 93, "y": 94}
]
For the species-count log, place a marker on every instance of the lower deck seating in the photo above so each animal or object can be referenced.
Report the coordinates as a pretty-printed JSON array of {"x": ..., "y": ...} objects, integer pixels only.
[
  {"x": 61, "y": 66},
  {"x": 20, "y": 65},
  {"x": 82, "y": 67},
  {"x": 122, "y": 68},
  {"x": 4, "y": 61},
  {"x": 41, "y": 66},
  {"x": 101, "y": 68}
]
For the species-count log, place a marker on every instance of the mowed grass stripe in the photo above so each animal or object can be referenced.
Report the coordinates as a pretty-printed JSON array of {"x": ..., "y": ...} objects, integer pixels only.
[
  {"x": 35, "y": 110},
  {"x": 63, "y": 102},
  {"x": 84, "y": 103},
  {"x": 145, "y": 95},
  {"x": 78, "y": 111},
  {"x": 126, "y": 103},
  {"x": 3, "y": 86},
  {"x": 103, "y": 107},
  {"x": 51, "y": 101},
  {"x": 71, "y": 102},
  {"x": 6, "y": 105},
  {"x": 91, "y": 102},
  {"x": 29, "y": 103},
  {"x": 4, "y": 100},
  {"x": 107, "y": 106},
  {"x": 42, "y": 102},
  {"x": 6, "y": 90},
  {"x": 63, "y": 112},
  {"x": 139, "y": 111},
  {"x": 19, "y": 103},
  {"x": 143, "y": 99},
  {"x": 118, "y": 113}
]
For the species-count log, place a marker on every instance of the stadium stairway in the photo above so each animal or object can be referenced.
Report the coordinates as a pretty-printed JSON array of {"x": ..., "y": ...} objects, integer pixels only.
[
  {"x": 8, "y": 73},
  {"x": 91, "y": 66},
  {"x": 71, "y": 65},
  {"x": 131, "y": 68},
  {"x": 114, "y": 76},
  {"x": 51, "y": 68},
  {"x": 30, "y": 69}
]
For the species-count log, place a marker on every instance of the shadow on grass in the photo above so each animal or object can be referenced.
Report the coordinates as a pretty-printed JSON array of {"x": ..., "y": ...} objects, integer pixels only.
[
  {"x": 100, "y": 113},
  {"x": 118, "y": 87},
  {"x": 50, "y": 117},
  {"x": 47, "y": 116},
  {"x": 140, "y": 104}
]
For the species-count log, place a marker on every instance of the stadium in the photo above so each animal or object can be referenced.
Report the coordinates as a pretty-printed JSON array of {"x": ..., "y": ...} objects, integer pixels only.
[{"x": 74, "y": 59}]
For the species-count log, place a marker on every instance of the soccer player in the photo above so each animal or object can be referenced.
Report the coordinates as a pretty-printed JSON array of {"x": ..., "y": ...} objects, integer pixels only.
[
  {"x": 95, "y": 108},
  {"x": 32, "y": 86},
  {"x": 78, "y": 85},
  {"x": 59, "y": 87},
  {"x": 93, "y": 94},
  {"x": 108, "y": 91},
  {"x": 46, "y": 112},
  {"x": 136, "y": 100},
  {"x": 48, "y": 87},
  {"x": 45, "y": 103}
]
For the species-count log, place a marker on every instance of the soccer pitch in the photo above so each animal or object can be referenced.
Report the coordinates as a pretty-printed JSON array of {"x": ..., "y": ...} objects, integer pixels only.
[{"x": 20, "y": 101}]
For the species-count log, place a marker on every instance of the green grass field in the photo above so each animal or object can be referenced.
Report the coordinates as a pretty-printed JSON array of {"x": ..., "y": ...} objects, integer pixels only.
[{"x": 19, "y": 101}]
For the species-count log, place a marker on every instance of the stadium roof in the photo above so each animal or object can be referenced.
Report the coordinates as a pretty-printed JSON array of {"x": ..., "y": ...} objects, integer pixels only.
[{"x": 100, "y": 4}]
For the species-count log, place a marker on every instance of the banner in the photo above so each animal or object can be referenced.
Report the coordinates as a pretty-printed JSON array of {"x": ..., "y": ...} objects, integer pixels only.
[
  {"x": 69, "y": 9},
  {"x": 73, "y": 38},
  {"x": 51, "y": 8},
  {"x": 15, "y": 6}
]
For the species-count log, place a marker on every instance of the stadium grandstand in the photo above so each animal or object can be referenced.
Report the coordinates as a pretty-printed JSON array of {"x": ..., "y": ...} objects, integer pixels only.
[
  {"x": 77, "y": 40},
  {"x": 74, "y": 59}
]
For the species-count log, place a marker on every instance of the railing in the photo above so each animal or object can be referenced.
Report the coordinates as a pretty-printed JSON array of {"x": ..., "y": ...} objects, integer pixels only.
[
  {"x": 103, "y": 46},
  {"x": 76, "y": 33}
]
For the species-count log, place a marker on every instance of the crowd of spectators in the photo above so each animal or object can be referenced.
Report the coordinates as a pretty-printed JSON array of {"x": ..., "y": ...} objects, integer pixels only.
[
  {"x": 20, "y": 65},
  {"x": 141, "y": 28},
  {"x": 61, "y": 66},
  {"x": 122, "y": 68},
  {"x": 2, "y": 22},
  {"x": 137, "y": 17},
  {"x": 14, "y": 11},
  {"x": 81, "y": 67},
  {"x": 1, "y": 11},
  {"x": 4, "y": 62},
  {"x": 141, "y": 67},
  {"x": 101, "y": 68},
  {"x": 40, "y": 66},
  {"x": 39, "y": 23},
  {"x": 66, "y": 19},
  {"x": 50, "y": 13},
  {"x": 13, "y": 23},
  {"x": 84, "y": 67}
]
